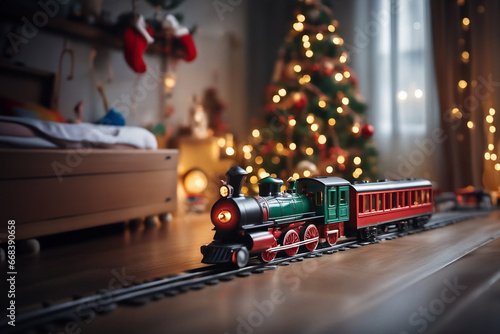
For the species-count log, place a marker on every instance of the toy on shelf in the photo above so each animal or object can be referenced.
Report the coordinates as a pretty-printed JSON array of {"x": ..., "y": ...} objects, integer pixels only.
[
  {"x": 311, "y": 211},
  {"x": 112, "y": 116}
]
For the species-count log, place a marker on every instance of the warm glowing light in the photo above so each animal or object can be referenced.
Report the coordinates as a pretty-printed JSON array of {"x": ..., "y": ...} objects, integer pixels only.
[
  {"x": 279, "y": 147},
  {"x": 497, "y": 166},
  {"x": 465, "y": 55},
  {"x": 259, "y": 160},
  {"x": 310, "y": 119},
  {"x": 298, "y": 26},
  {"x": 331, "y": 28},
  {"x": 276, "y": 98},
  {"x": 355, "y": 175},
  {"x": 309, "y": 53},
  {"x": 292, "y": 122},
  {"x": 470, "y": 124},
  {"x": 247, "y": 148},
  {"x": 229, "y": 151},
  {"x": 465, "y": 21},
  {"x": 169, "y": 82},
  {"x": 340, "y": 110},
  {"x": 340, "y": 159},
  {"x": 357, "y": 160},
  {"x": 419, "y": 93},
  {"x": 301, "y": 18},
  {"x": 319, "y": 36},
  {"x": 195, "y": 181},
  {"x": 455, "y": 110},
  {"x": 493, "y": 129},
  {"x": 321, "y": 104},
  {"x": 247, "y": 155},
  {"x": 462, "y": 84},
  {"x": 343, "y": 59},
  {"x": 221, "y": 142},
  {"x": 487, "y": 156},
  {"x": 329, "y": 169},
  {"x": 402, "y": 95},
  {"x": 292, "y": 146},
  {"x": 322, "y": 139},
  {"x": 345, "y": 101},
  {"x": 336, "y": 40},
  {"x": 305, "y": 38},
  {"x": 332, "y": 121},
  {"x": 297, "y": 68},
  {"x": 255, "y": 133},
  {"x": 489, "y": 119},
  {"x": 282, "y": 92},
  {"x": 491, "y": 147},
  {"x": 493, "y": 156},
  {"x": 306, "y": 78},
  {"x": 254, "y": 179},
  {"x": 307, "y": 45},
  {"x": 347, "y": 74},
  {"x": 355, "y": 129},
  {"x": 307, "y": 173},
  {"x": 358, "y": 171},
  {"x": 275, "y": 160},
  {"x": 339, "y": 76},
  {"x": 492, "y": 111},
  {"x": 249, "y": 169},
  {"x": 309, "y": 151},
  {"x": 314, "y": 127}
]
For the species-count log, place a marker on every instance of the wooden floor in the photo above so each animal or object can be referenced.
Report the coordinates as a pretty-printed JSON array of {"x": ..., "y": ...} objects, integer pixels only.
[{"x": 440, "y": 281}]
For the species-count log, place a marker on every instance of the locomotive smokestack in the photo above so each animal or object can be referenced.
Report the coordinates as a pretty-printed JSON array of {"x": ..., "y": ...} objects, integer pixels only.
[{"x": 235, "y": 178}]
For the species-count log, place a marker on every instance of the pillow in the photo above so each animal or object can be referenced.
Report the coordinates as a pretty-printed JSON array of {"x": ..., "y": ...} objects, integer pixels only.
[{"x": 10, "y": 107}]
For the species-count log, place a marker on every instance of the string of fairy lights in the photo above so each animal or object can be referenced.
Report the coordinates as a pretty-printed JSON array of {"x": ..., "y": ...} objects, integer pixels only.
[{"x": 489, "y": 118}]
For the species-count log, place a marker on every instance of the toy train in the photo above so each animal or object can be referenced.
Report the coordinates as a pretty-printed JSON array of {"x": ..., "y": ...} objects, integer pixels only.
[{"x": 312, "y": 211}]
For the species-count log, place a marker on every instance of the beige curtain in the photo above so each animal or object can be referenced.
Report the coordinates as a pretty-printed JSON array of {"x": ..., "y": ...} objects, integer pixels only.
[{"x": 466, "y": 38}]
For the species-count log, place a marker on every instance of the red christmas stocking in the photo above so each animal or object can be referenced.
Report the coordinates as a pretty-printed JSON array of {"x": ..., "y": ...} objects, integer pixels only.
[
  {"x": 136, "y": 40},
  {"x": 184, "y": 37}
]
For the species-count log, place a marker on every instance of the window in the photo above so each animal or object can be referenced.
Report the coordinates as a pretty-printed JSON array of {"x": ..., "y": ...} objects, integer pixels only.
[
  {"x": 333, "y": 197},
  {"x": 361, "y": 204},
  {"x": 407, "y": 198},
  {"x": 343, "y": 197},
  {"x": 380, "y": 203},
  {"x": 394, "y": 200},
  {"x": 374, "y": 202},
  {"x": 388, "y": 201},
  {"x": 401, "y": 199},
  {"x": 319, "y": 198},
  {"x": 367, "y": 202}
]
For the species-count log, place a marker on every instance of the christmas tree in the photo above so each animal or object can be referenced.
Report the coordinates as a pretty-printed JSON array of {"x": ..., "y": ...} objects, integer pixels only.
[{"x": 314, "y": 122}]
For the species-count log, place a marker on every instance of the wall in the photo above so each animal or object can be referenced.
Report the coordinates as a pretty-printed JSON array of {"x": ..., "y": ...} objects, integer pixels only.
[{"x": 221, "y": 54}]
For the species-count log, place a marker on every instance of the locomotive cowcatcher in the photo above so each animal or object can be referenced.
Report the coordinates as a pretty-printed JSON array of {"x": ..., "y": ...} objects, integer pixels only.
[{"x": 311, "y": 211}]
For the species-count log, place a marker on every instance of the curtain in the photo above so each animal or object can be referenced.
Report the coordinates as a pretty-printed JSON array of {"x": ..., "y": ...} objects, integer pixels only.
[
  {"x": 391, "y": 52},
  {"x": 467, "y": 51}
]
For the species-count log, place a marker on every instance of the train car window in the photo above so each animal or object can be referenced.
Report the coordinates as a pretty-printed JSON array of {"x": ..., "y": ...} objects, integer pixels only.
[
  {"x": 427, "y": 196},
  {"x": 361, "y": 203},
  {"x": 367, "y": 202},
  {"x": 319, "y": 198},
  {"x": 414, "y": 196},
  {"x": 374, "y": 202},
  {"x": 407, "y": 198},
  {"x": 394, "y": 200},
  {"x": 387, "y": 201},
  {"x": 401, "y": 201},
  {"x": 343, "y": 196},
  {"x": 380, "y": 203},
  {"x": 333, "y": 197}
]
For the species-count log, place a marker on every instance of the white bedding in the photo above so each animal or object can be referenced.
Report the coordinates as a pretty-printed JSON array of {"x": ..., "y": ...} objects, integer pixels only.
[{"x": 78, "y": 135}]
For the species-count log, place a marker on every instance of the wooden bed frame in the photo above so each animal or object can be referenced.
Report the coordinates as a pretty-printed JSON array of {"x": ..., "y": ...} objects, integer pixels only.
[{"x": 53, "y": 191}]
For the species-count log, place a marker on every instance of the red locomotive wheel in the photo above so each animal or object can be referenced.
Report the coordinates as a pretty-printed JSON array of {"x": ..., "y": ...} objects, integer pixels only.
[
  {"x": 267, "y": 256},
  {"x": 311, "y": 232},
  {"x": 291, "y": 237},
  {"x": 332, "y": 238}
]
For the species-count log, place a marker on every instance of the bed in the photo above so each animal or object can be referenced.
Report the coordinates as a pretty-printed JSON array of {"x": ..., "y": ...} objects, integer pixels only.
[{"x": 56, "y": 177}]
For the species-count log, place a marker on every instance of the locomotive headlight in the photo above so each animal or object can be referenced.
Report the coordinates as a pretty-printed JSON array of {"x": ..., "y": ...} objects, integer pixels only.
[
  {"x": 224, "y": 216},
  {"x": 224, "y": 191}
]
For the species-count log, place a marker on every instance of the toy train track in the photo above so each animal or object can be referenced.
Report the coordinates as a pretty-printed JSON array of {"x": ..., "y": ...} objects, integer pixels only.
[{"x": 196, "y": 279}]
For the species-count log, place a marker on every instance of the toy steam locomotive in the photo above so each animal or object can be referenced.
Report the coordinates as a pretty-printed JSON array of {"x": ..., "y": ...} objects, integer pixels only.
[{"x": 312, "y": 211}]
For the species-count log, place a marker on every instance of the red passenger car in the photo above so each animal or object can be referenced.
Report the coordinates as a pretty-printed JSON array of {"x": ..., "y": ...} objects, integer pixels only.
[{"x": 381, "y": 204}]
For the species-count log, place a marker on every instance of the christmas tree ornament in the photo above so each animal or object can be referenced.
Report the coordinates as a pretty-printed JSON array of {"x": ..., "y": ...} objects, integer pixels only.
[
  {"x": 367, "y": 130},
  {"x": 137, "y": 37}
]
